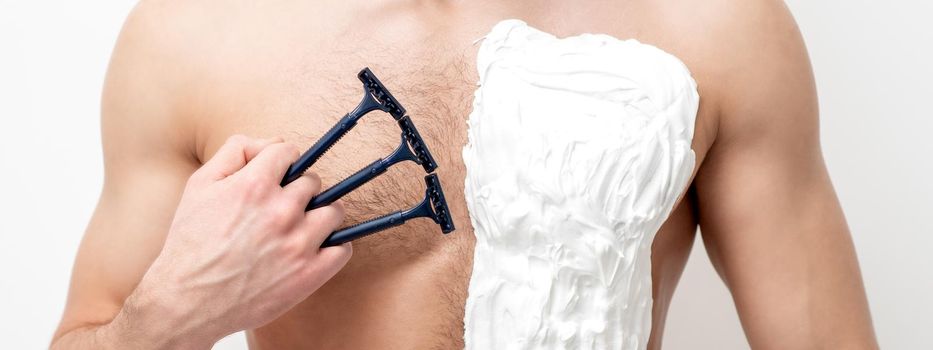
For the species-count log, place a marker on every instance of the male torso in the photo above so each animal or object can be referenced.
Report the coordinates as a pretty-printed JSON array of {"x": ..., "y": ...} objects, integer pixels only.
[
  {"x": 289, "y": 70},
  {"x": 186, "y": 74}
]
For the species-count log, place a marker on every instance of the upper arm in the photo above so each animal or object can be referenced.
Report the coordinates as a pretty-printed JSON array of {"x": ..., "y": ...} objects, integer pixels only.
[
  {"x": 147, "y": 160},
  {"x": 768, "y": 213}
]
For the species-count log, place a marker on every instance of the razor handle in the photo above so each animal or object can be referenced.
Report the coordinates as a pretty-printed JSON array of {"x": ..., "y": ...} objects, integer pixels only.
[
  {"x": 313, "y": 154},
  {"x": 364, "y": 229},
  {"x": 349, "y": 184}
]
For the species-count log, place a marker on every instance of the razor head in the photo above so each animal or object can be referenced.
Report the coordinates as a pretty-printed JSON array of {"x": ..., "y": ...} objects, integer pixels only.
[
  {"x": 374, "y": 87},
  {"x": 435, "y": 195},
  {"x": 418, "y": 147}
]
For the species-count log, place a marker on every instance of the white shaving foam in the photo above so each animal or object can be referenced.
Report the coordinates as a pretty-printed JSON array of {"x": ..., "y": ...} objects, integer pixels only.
[{"x": 578, "y": 150}]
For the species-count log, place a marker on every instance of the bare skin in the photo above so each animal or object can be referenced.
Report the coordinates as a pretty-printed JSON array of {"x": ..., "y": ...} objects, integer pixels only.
[
  {"x": 240, "y": 252},
  {"x": 186, "y": 75}
]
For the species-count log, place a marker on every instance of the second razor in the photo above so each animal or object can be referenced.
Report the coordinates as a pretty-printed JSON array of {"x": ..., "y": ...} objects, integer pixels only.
[
  {"x": 412, "y": 147},
  {"x": 433, "y": 206}
]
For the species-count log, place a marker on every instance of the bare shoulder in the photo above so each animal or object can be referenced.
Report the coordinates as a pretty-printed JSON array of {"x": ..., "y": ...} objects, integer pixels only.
[
  {"x": 748, "y": 56},
  {"x": 168, "y": 59},
  {"x": 205, "y": 57},
  {"x": 151, "y": 71}
]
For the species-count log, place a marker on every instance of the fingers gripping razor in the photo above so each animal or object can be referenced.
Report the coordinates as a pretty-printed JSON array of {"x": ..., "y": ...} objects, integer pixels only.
[{"x": 411, "y": 147}]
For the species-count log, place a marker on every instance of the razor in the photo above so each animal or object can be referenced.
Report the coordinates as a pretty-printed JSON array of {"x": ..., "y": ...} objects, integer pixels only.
[
  {"x": 433, "y": 206},
  {"x": 375, "y": 97},
  {"x": 411, "y": 148}
]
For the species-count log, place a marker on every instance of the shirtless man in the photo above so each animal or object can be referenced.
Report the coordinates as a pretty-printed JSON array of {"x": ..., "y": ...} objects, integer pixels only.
[{"x": 186, "y": 75}]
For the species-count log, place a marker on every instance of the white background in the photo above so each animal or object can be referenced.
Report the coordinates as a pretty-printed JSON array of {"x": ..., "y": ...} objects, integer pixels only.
[{"x": 874, "y": 68}]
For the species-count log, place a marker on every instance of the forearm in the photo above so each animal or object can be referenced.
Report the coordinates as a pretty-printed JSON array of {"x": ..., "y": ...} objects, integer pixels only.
[{"x": 144, "y": 322}]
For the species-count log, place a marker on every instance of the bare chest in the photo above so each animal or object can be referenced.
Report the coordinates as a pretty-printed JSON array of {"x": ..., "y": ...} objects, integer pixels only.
[
  {"x": 298, "y": 87},
  {"x": 301, "y": 97}
]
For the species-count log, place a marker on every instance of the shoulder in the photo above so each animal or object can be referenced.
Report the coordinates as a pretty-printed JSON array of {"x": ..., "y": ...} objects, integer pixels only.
[
  {"x": 161, "y": 60},
  {"x": 164, "y": 41},
  {"x": 718, "y": 34},
  {"x": 748, "y": 58}
]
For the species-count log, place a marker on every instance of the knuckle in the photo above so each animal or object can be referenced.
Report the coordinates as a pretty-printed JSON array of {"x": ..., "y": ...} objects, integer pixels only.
[
  {"x": 313, "y": 178},
  {"x": 276, "y": 147},
  {"x": 254, "y": 186},
  {"x": 336, "y": 257},
  {"x": 344, "y": 253},
  {"x": 297, "y": 243},
  {"x": 293, "y": 248},
  {"x": 254, "y": 180},
  {"x": 282, "y": 147},
  {"x": 339, "y": 209},
  {"x": 308, "y": 186},
  {"x": 333, "y": 213},
  {"x": 286, "y": 150},
  {"x": 294, "y": 151},
  {"x": 281, "y": 213}
]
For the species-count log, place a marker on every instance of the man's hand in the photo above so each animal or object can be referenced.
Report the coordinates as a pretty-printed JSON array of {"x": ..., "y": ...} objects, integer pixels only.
[{"x": 240, "y": 251}]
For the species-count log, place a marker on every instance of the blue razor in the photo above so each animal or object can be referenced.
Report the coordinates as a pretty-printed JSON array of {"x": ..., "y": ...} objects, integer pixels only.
[
  {"x": 375, "y": 96},
  {"x": 433, "y": 206},
  {"x": 411, "y": 148}
]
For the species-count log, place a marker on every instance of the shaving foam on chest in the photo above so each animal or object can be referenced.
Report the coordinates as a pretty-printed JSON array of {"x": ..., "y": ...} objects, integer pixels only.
[{"x": 578, "y": 150}]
